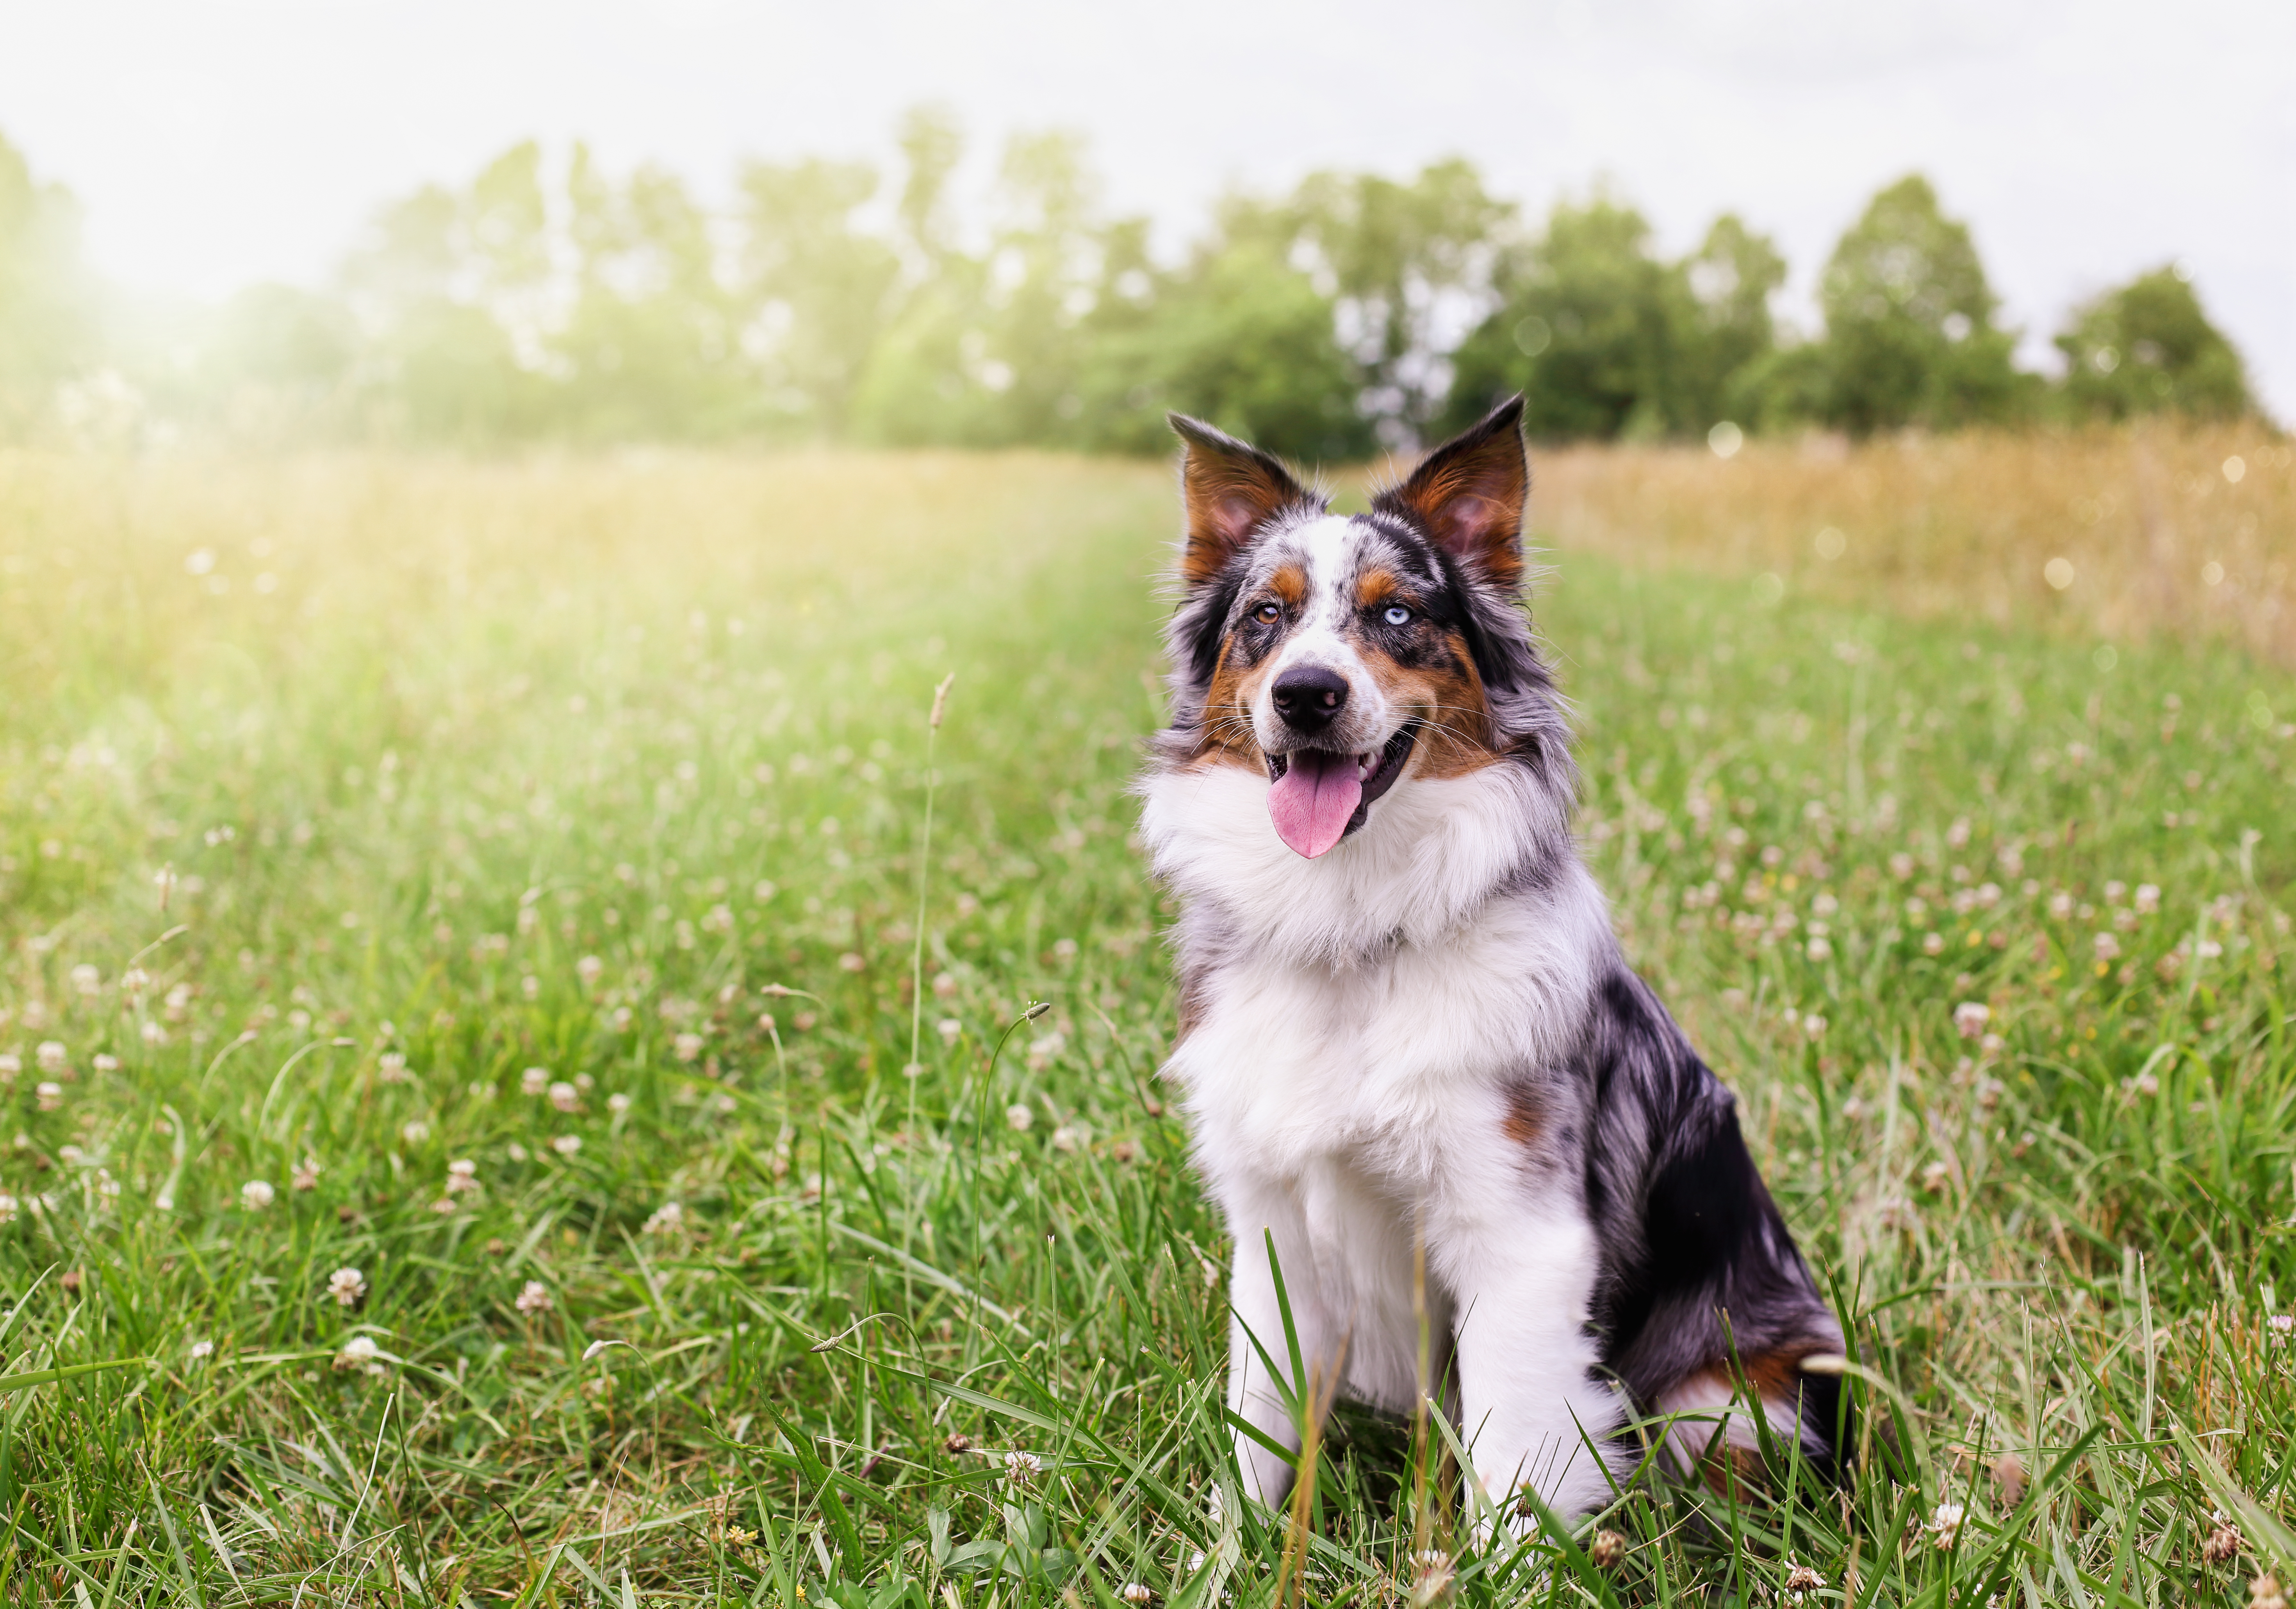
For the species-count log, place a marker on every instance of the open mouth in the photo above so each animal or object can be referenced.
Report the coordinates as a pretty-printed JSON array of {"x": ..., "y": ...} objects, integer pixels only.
[{"x": 1318, "y": 797}]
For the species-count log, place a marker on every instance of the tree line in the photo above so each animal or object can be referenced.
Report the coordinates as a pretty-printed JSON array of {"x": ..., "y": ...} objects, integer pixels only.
[{"x": 545, "y": 301}]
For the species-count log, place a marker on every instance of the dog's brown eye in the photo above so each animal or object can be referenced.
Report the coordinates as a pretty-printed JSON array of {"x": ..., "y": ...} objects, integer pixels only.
[{"x": 1266, "y": 615}]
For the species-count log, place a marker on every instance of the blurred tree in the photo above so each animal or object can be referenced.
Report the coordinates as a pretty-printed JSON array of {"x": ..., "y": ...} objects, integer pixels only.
[
  {"x": 652, "y": 350},
  {"x": 441, "y": 364},
  {"x": 1727, "y": 334},
  {"x": 816, "y": 289},
  {"x": 1909, "y": 333},
  {"x": 49, "y": 318},
  {"x": 2148, "y": 348},
  {"x": 1587, "y": 328},
  {"x": 1408, "y": 263},
  {"x": 931, "y": 145},
  {"x": 1240, "y": 336}
]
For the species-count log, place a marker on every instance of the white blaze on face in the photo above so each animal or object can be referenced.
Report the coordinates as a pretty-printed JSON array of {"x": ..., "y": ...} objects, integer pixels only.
[{"x": 1328, "y": 549}]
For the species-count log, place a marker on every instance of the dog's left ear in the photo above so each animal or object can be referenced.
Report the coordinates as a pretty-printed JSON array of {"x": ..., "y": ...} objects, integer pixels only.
[{"x": 1469, "y": 494}]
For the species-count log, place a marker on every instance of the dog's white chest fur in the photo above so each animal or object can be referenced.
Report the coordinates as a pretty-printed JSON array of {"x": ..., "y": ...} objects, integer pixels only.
[{"x": 1364, "y": 1030}]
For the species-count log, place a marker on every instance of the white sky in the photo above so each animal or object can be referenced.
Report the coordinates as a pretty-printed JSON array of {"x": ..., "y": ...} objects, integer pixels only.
[{"x": 217, "y": 142}]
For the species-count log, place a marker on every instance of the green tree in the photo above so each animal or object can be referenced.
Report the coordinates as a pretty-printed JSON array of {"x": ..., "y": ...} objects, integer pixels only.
[
  {"x": 1240, "y": 336},
  {"x": 652, "y": 348},
  {"x": 816, "y": 289},
  {"x": 1587, "y": 329},
  {"x": 1909, "y": 332},
  {"x": 2148, "y": 348},
  {"x": 1726, "y": 335},
  {"x": 49, "y": 317},
  {"x": 1399, "y": 258}
]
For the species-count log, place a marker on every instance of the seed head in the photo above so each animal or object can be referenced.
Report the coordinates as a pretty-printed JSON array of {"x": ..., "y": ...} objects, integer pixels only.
[{"x": 1607, "y": 1550}]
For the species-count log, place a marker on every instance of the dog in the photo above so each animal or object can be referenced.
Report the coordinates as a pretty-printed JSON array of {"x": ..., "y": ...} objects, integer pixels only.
[{"x": 1412, "y": 1058}]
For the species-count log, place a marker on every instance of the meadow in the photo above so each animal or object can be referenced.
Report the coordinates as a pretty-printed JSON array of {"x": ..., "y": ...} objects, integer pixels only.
[{"x": 536, "y": 1077}]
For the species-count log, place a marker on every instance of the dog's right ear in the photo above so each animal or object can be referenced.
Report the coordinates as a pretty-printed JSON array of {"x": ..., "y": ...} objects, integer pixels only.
[{"x": 1232, "y": 489}]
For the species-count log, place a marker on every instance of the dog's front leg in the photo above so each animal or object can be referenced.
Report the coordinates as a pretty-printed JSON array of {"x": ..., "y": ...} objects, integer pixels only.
[
  {"x": 1530, "y": 1399},
  {"x": 1255, "y": 1394}
]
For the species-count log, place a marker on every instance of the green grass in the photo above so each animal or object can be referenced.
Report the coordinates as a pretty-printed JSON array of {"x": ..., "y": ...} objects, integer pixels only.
[{"x": 486, "y": 721}]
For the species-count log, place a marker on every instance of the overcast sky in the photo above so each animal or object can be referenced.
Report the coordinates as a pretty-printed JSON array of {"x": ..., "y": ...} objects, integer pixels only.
[{"x": 214, "y": 142}]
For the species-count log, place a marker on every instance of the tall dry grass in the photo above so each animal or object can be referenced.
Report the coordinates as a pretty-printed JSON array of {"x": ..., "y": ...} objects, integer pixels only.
[{"x": 2182, "y": 533}]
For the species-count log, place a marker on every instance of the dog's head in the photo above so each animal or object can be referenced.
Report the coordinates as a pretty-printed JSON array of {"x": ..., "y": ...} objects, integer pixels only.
[{"x": 1343, "y": 653}]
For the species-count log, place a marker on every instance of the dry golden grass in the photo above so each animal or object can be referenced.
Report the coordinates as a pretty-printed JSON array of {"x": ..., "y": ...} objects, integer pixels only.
[{"x": 2166, "y": 534}]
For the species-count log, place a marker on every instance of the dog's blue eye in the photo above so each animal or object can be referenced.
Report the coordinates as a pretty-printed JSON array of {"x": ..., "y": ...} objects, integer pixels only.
[{"x": 1397, "y": 615}]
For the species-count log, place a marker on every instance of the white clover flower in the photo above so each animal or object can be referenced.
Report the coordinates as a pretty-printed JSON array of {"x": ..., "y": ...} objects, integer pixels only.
[
  {"x": 51, "y": 1055},
  {"x": 1813, "y": 1026},
  {"x": 589, "y": 969},
  {"x": 617, "y": 1104},
  {"x": 565, "y": 1097},
  {"x": 534, "y": 1080},
  {"x": 2278, "y": 1327},
  {"x": 153, "y": 1034},
  {"x": 1933, "y": 944},
  {"x": 392, "y": 1068},
  {"x": 11, "y": 1064},
  {"x": 1018, "y": 1116},
  {"x": 8, "y": 1207},
  {"x": 950, "y": 1029},
  {"x": 1945, "y": 1524},
  {"x": 360, "y": 1352},
  {"x": 256, "y": 1194},
  {"x": 534, "y": 1297},
  {"x": 49, "y": 1095},
  {"x": 1820, "y": 949},
  {"x": 415, "y": 1131},
  {"x": 1022, "y": 1467},
  {"x": 462, "y": 1174},
  {"x": 2148, "y": 898},
  {"x": 1970, "y": 1017},
  {"x": 567, "y": 1145},
  {"x": 686, "y": 1047},
  {"x": 348, "y": 1286},
  {"x": 2108, "y": 947},
  {"x": 202, "y": 1351},
  {"x": 106, "y": 1064},
  {"x": 1067, "y": 1137},
  {"x": 665, "y": 1219},
  {"x": 1135, "y": 1592},
  {"x": 305, "y": 1176}
]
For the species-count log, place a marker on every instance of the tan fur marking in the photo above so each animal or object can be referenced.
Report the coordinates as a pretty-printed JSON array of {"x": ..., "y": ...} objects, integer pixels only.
[
  {"x": 1525, "y": 1121},
  {"x": 1374, "y": 587},
  {"x": 1226, "y": 736},
  {"x": 1291, "y": 583},
  {"x": 1454, "y": 734}
]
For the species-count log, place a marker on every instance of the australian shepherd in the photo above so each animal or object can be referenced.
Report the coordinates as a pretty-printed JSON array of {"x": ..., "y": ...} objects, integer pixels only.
[{"x": 1413, "y": 1059}]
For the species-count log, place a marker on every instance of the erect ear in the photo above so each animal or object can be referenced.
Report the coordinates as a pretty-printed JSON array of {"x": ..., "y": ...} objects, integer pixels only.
[
  {"x": 1469, "y": 494},
  {"x": 1232, "y": 489}
]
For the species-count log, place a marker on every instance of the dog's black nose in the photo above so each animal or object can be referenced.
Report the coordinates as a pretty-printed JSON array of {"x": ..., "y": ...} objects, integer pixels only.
[{"x": 1309, "y": 696}]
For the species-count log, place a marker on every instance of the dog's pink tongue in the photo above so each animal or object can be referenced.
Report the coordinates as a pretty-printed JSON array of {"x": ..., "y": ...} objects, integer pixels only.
[{"x": 1313, "y": 800}]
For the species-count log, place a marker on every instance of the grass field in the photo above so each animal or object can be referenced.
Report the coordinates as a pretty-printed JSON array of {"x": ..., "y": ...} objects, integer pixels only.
[{"x": 460, "y": 922}]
